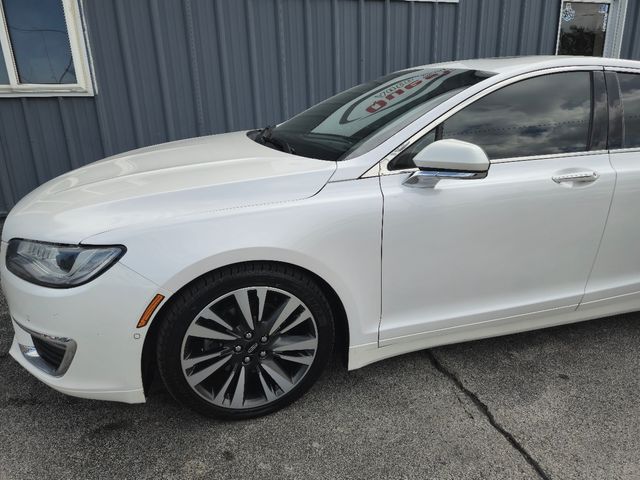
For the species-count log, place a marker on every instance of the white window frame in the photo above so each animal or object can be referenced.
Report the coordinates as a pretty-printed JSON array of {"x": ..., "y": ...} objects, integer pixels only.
[
  {"x": 79, "y": 53},
  {"x": 615, "y": 22}
]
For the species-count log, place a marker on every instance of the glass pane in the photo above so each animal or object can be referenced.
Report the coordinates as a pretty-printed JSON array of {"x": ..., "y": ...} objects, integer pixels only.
[
  {"x": 630, "y": 87},
  {"x": 4, "y": 78},
  {"x": 40, "y": 41},
  {"x": 582, "y": 28},
  {"x": 514, "y": 122},
  {"x": 332, "y": 128},
  {"x": 405, "y": 159}
]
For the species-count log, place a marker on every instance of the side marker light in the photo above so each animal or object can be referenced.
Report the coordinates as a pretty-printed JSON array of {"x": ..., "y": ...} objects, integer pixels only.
[{"x": 146, "y": 316}]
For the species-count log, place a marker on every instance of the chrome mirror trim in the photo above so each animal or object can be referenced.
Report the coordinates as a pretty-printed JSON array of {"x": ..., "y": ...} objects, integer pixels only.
[{"x": 429, "y": 178}]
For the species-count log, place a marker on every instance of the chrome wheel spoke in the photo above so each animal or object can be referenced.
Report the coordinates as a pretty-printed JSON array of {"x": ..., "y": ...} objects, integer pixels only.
[
  {"x": 303, "y": 359},
  {"x": 193, "y": 361},
  {"x": 219, "y": 398},
  {"x": 199, "y": 331},
  {"x": 287, "y": 309},
  {"x": 268, "y": 392},
  {"x": 292, "y": 343},
  {"x": 249, "y": 347},
  {"x": 278, "y": 375},
  {"x": 238, "y": 395},
  {"x": 242, "y": 297},
  {"x": 209, "y": 315},
  {"x": 199, "y": 377},
  {"x": 303, "y": 317},
  {"x": 262, "y": 298}
]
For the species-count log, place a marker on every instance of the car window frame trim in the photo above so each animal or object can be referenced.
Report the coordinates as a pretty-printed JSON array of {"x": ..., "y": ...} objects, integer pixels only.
[
  {"x": 616, "y": 71},
  {"x": 600, "y": 112},
  {"x": 381, "y": 167}
]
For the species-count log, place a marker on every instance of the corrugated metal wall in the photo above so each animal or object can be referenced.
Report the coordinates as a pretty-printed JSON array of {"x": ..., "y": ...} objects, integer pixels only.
[
  {"x": 630, "y": 44},
  {"x": 169, "y": 69}
]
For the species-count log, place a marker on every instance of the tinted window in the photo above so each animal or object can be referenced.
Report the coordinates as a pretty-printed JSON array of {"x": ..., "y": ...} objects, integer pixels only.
[
  {"x": 540, "y": 116},
  {"x": 630, "y": 89},
  {"x": 334, "y": 127},
  {"x": 40, "y": 41}
]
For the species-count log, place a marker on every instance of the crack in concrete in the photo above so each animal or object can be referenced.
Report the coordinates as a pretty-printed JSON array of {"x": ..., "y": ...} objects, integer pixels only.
[
  {"x": 463, "y": 404},
  {"x": 484, "y": 409}
]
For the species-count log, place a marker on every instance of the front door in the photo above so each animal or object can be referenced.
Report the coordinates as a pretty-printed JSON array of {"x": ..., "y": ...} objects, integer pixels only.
[{"x": 520, "y": 241}]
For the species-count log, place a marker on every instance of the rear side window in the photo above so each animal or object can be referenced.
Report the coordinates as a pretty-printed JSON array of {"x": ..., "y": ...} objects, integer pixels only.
[
  {"x": 545, "y": 115},
  {"x": 630, "y": 91}
]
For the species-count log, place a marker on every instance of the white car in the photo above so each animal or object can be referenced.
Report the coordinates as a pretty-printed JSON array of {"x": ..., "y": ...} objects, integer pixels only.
[{"x": 435, "y": 205}]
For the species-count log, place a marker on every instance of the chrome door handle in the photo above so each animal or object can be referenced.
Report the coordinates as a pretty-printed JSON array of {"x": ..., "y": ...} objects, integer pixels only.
[{"x": 581, "y": 177}]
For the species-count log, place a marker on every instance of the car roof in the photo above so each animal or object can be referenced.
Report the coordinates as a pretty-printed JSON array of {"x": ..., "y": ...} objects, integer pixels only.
[{"x": 512, "y": 65}]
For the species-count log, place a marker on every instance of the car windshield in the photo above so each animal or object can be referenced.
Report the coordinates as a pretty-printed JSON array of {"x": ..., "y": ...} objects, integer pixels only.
[{"x": 375, "y": 110}]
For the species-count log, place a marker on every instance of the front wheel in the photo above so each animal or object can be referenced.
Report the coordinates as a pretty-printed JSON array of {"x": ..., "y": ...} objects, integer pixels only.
[{"x": 245, "y": 341}]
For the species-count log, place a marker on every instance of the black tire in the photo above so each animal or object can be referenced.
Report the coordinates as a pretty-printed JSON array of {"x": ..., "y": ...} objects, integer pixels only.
[{"x": 184, "y": 307}]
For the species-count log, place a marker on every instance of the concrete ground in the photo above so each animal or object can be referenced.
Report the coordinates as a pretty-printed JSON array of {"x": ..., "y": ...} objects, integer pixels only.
[{"x": 560, "y": 403}]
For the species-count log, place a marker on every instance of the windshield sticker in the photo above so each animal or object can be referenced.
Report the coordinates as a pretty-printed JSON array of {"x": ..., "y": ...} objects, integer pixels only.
[
  {"x": 363, "y": 110},
  {"x": 391, "y": 96},
  {"x": 568, "y": 14}
]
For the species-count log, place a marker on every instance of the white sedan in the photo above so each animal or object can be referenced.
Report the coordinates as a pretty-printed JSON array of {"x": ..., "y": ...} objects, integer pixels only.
[{"x": 434, "y": 205}]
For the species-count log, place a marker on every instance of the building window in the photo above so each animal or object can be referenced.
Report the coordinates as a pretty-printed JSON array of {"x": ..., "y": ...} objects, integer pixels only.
[
  {"x": 591, "y": 27},
  {"x": 44, "y": 51}
]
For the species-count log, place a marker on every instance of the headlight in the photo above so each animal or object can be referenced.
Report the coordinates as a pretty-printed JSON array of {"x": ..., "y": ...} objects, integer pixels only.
[{"x": 59, "y": 266}]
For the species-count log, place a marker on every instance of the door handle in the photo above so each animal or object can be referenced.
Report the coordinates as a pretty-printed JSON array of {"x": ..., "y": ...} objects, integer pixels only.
[{"x": 577, "y": 177}]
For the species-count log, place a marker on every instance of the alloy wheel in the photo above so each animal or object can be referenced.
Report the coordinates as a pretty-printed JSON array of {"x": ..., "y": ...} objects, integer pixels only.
[{"x": 249, "y": 347}]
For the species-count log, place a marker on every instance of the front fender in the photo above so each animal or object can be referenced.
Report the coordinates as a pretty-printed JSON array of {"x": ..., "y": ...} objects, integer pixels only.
[{"x": 336, "y": 235}]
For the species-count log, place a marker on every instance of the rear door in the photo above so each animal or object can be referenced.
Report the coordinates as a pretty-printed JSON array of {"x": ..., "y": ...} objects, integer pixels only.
[
  {"x": 520, "y": 241},
  {"x": 615, "y": 278}
]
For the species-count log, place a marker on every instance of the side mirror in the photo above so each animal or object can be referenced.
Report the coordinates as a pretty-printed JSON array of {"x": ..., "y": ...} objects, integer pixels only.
[{"x": 449, "y": 158}]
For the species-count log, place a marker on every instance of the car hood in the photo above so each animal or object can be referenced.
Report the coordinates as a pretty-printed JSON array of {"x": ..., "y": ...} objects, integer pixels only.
[{"x": 165, "y": 181}]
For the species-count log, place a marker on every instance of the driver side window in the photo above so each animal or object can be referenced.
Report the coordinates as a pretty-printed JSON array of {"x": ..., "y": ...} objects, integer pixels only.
[{"x": 544, "y": 115}]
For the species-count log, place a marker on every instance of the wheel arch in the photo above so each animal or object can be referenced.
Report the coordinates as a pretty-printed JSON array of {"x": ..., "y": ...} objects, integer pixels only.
[{"x": 341, "y": 347}]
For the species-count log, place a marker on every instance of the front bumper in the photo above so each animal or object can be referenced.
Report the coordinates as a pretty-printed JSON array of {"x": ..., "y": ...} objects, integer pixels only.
[{"x": 96, "y": 322}]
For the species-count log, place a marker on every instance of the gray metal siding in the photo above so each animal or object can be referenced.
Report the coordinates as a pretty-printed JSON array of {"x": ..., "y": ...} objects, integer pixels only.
[
  {"x": 631, "y": 37},
  {"x": 168, "y": 69}
]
